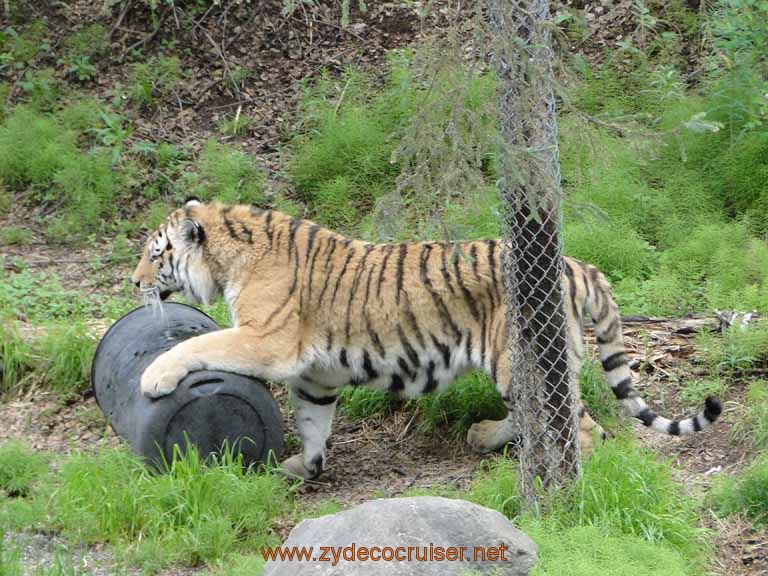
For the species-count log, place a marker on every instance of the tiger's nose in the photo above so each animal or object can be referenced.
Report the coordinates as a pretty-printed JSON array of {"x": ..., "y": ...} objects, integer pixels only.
[{"x": 137, "y": 283}]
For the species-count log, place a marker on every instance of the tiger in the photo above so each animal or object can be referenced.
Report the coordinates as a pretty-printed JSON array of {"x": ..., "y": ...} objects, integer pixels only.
[{"x": 317, "y": 310}]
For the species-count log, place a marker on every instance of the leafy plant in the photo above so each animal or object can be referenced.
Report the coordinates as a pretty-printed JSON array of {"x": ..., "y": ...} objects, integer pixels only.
[
  {"x": 80, "y": 68},
  {"x": 91, "y": 41}
]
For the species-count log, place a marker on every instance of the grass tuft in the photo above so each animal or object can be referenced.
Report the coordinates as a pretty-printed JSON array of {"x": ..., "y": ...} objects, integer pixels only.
[
  {"x": 470, "y": 399},
  {"x": 625, "y": 489},
  {"x": 196, "y": 512},
  {"x": 746, "y": 494},
  {"x": 20, "y": 469}
]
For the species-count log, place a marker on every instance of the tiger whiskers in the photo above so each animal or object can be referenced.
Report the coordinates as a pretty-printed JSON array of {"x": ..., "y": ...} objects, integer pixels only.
[{"x": 152, "y": 300}]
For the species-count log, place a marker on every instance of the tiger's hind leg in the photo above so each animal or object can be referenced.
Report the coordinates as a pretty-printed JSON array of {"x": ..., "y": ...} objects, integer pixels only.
[
  {"x": 490, "y": 435},
  {"x": 313, "y": 408}
]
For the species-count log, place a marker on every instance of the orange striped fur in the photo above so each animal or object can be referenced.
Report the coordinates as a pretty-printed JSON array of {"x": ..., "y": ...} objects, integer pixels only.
[{"x": 319, "y": 311}]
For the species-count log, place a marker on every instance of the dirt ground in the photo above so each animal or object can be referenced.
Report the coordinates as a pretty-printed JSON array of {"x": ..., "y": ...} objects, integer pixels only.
[{"x": 385, "y": 456}]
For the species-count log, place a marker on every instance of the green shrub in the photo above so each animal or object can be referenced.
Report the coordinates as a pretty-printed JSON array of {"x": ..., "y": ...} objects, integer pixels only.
[
  {"x": 20, "y": 469},
  {"x": 154, "y": 79},
  {"x": 421, "y": 144},
  {"x": 40, "y": 88},
  {"x": 468, "y": 400},
  {"x": 23, "y": 47},
  {"x": 618, "y": 251},
  {"x": 228, "y": 175},
  {"x": 33, "y": 148},
  {"x": 335, "y": 201},
  {"x": 92, "y": 40},
  {"x": 81, "y": 115},
  {"x": 89, "y": 187},
  {"x": 745, "y": 494}
]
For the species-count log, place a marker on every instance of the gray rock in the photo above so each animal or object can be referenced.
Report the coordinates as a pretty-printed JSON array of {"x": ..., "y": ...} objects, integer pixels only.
[{"x": 423, "y": 523}]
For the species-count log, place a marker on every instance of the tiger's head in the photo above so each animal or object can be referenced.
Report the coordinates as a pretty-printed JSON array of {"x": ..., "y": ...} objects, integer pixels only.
[{"x": 174, "y": 259}]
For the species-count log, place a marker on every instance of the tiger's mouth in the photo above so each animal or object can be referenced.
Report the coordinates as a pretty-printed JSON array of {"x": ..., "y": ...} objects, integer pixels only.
[{"x": 164, "y": 294}]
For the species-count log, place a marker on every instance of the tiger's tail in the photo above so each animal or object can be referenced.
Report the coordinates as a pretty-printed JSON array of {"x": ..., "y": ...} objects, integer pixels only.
[{"x": 613, "y": 357}]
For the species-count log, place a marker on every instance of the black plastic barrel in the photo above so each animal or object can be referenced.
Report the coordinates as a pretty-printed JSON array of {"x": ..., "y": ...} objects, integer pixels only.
[{"x": 208, "y": 409}]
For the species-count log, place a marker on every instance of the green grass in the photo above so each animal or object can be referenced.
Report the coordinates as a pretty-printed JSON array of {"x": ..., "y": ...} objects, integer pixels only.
[
  {"x": 154, "y": 80},
  {"x": 60, "y": 357},
  {"x": 65, "y": 353},
  {"x": 194, "y": 513},
  {"x": 15, "y": 235},
  {"x": 587, "y": 550},
  {"x": 10, "y": 558},
  {"x": 237, "y": 125},
  {"x": 470, "y": 399},
  {"x": 360, "y": 403},
  {"x": 625, "y": 516},
  {"x": 627, "y": 490},
  {"x": 228, "y": 175},
  {"x": 735, "y": 351},
  {"x": 33, "y": 148},
  {"x": 745, "y": 494},
  {"x": 696, "y": 391},
  {"x": 20, "y": 469},
  {"x": 364, "y": 149},
  {"x": 752, "y": 426},
  {"x": 16, "y": 354},
  {"x": 597, "y": 395},
  {"x": 496, "y": 487}
]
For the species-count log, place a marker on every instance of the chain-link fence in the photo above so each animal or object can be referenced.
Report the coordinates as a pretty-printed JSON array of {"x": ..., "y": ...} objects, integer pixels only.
[{"x": 543, "y": 396}]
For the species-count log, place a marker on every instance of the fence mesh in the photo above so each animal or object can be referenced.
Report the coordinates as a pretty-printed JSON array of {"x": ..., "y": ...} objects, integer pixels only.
[{"x": 544, "y": 389}]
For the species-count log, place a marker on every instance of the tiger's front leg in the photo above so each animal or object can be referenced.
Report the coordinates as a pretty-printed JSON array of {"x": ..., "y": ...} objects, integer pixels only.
[{"x": 238, "y": 350}]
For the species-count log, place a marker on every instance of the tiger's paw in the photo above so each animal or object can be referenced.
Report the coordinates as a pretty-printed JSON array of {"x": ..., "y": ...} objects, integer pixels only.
[
  {"x": 490, "y": 435},
  {"x": 591, "y": 434},
  {"x": 161, "y": 378},
  {"x": 295, "y": 467}
]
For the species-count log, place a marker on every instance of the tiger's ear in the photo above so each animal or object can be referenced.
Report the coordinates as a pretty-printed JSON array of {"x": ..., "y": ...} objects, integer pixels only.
[
  {"x": 192, "y": 231},
  {"x": 192, "y": 201}
]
